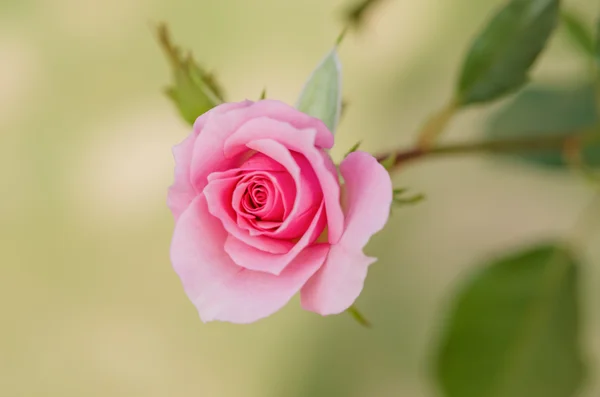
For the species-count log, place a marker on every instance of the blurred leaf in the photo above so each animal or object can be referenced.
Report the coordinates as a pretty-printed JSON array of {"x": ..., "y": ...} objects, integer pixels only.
[
  {"x": 501, "y": 56},
  {"x": 514, "y": 329},
  {"x": 357, "y": 315},
  {"x": 263, "y": 94},
  {"x": 548, "y": 110},
  {"x": 356, "y": 13},
  {"x": 194, "y": 91},
  {"x": 578, "y": 32},
  {"x": 322, "y": 93}
]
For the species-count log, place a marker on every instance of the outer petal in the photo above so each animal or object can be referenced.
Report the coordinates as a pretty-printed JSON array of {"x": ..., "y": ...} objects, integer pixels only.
[
  {"x": 368, "y": 197},
  {"x": 280, "y": 111},
  {"x": 219, "y": 289},
  {"x": 208, "y": 155},
  {"x": 182, "y": 192}
]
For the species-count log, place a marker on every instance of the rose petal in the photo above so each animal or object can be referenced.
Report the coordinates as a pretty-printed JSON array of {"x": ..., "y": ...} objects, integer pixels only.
[
  {"x": 260, "y": 162},
  {"x": 182, "y": 192},
  {"x": 301, "y": 141},
  {"x": 280, "y": 111},
  {"x": 307, "y": 192},
  {"x": 219, "y": 289},
  {"x": 208, "y": 157},
  {"x": 277, "y": 172},
  {"x": 255, "y": 259},
  {"x": 208, "y": 154},
  {"x": 219, "y": 193},
  {"x": 280, "y": 192},
  {"x": 369, "y": 196}
]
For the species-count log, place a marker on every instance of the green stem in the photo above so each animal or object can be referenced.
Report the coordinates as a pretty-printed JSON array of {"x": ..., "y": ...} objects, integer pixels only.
[{"x": 436, "y": 124}]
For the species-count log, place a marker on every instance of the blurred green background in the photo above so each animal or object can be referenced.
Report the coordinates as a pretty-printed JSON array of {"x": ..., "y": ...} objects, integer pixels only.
[{"x": 89, "y": 303}]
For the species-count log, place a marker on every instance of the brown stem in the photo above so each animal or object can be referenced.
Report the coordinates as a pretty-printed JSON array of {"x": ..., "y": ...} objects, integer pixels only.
[{"x": 496, "y": 146}]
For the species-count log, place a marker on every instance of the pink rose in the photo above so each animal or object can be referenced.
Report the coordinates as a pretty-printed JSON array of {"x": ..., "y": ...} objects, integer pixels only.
[{"x": 259, "y": 217}]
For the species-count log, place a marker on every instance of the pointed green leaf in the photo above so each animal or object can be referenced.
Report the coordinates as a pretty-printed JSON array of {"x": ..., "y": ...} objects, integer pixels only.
[
  {"x": 541, "y": 111},
  {"x": 514, "y": 329},
  {"x": 501, "y": 56},
  {"x": 194, "y": 91},
  {"x": 322, "y": 93},
  {"x": 578, "y": 32}
]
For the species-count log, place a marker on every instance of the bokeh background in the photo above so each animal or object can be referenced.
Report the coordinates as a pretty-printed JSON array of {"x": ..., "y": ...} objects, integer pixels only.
[{"x": 89, "y": 304}]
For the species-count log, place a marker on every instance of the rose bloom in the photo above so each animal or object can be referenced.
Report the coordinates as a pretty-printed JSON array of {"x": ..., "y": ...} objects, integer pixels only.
[{"x": 260, "y": 213}]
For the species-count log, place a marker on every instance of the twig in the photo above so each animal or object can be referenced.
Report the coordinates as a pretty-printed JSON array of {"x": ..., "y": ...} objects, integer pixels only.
[{"x": 516, "y": 145}]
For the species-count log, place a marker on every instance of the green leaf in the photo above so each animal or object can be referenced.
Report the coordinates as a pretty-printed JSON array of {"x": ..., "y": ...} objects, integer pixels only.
[
  {"x": 543, "y": 111},
  {"x": 578, "y": 32},
  {"x": 194, "y": 91},
  {"x": 501, "y": 56},
  {"x": 322, "y": 93},
  {"x": 514, "y": 329}
]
